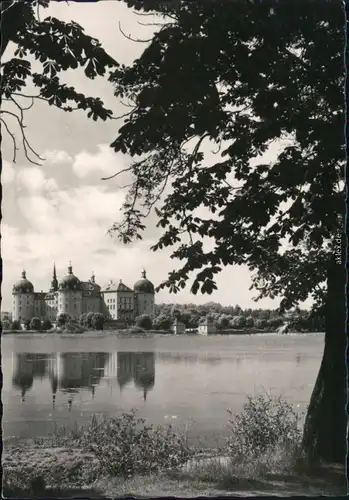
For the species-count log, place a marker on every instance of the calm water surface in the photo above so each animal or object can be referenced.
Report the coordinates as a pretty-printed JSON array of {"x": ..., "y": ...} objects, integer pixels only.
[{"x": 183, "y": 380}]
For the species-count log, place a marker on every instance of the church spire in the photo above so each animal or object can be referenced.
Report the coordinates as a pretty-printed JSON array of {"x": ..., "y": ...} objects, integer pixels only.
[{"x": 54, "y": 282}]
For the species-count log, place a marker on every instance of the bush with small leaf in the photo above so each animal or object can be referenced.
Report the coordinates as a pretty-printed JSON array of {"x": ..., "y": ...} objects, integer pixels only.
[
  {"x": 16, "y": 325},
  {"x": 63, "y": 319},
  {"x": 266, "y": 423},
  {"x": 97, "y": 321},
  {"x": 136, "y": 329},
  {"x": 35, "y": 324},
  {"x": 5, "y": 324},
  {"x": 144, "y": 321},
  {"x": 125, "y": 445},
  {"x": 46, "y": 324},
  {"x": 72, "y": 326}
]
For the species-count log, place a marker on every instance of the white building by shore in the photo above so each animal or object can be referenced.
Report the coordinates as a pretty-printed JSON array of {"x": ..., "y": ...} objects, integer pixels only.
[{"x": 207, "y": 327}]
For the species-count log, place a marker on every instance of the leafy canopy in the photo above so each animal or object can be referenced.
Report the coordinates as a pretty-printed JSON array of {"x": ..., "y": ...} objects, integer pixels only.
[
  {"x": 57, "y": 47},
  {"x": 240, "y": 75}
]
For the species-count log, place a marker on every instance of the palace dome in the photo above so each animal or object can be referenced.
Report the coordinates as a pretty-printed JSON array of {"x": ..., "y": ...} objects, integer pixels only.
[
  {"x": 70, "y": 282},
  {"x": 144, "y": 285},
  {"x": 23, "y": 285}
]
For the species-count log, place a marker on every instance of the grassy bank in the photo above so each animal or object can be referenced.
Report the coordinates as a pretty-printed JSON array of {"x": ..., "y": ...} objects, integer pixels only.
[{"x": 125, "y": 456}]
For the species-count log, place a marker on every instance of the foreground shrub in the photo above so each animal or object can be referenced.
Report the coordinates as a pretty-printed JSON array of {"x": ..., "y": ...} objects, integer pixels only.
[
  {"x": 73, "y": 327},
  {"x": 126, "y": 446},
  {"x": 63, "y": 319},
  {"x": 91, "y": 320},
  {"x": 5, "y": 324},
  {"x": 266, "y": 424},
  {"x": 136, "y": 329},
  {"x": 16, "y": 325},
  {"x": 35, "y": 324},
  {"x": 58, "y": 469},
  {"x": 144, "y": 321},
  {"x": 46, "y": 324},
  {"x": 97, "y": 321},
  {"x": 162, "y": 322},
  {"x": 86, "y": 319}
]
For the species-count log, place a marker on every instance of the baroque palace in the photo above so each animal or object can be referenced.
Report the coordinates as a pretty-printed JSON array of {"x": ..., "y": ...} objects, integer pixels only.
[{"x": 115, "y": 301}]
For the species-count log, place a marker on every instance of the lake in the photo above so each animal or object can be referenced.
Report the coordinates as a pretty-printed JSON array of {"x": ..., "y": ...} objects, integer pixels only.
[{"x": 183, "y": 380}]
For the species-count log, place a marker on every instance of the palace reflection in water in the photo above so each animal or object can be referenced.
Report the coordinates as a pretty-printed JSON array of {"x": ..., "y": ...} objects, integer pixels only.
[{"x": 71, "y": 373}]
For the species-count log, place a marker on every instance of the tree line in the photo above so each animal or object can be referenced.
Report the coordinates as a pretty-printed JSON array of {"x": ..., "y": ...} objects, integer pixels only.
[
  {"x": 192, "y": 315},
  {"x": 234, "y": 317},
  {"x": 86, "y": 321}
]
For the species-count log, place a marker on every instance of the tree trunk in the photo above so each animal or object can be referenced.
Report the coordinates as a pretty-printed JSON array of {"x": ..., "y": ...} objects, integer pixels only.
[
  {"x": 325, "y": 430},
  {"x": 12, "y": 19}
]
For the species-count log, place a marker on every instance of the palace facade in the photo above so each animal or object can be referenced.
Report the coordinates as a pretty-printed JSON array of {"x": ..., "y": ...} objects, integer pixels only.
[{"x": 74, "y": 297}]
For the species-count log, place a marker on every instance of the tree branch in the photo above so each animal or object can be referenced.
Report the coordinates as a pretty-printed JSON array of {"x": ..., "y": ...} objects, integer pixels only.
[
  {"x": 158, "y": 196},
  {"x": 152, "y": 24},
  {"x": 15, "y": 149},
  {"x": 26, "y": 145},
  {"x": 233, "y": 188},
  {"x": 67, "y": 108},
  {"x": 150, "y": 14},
  {"x": 115, "y": 175},
  {"x": 123, "y": 115},
  {"x": 38, "y": 12},
  {"x": 132, "y": 39},
  {"x": 9, "y": 7},
  {"x": 196, "y": 149}
]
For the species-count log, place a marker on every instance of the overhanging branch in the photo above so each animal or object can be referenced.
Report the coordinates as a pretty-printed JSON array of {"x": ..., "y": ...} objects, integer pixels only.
[
  {"x": 26, "y": 146},
  {"x": 133, "y": 39},
  {"x": 15, "y": 149}
]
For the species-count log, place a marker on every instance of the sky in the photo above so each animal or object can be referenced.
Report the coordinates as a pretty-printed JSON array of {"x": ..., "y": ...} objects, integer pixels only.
[{"x": 61, "y": 210}]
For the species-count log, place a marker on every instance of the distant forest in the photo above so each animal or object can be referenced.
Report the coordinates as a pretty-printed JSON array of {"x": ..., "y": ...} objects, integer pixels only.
[{"x": 227, "y": 317}]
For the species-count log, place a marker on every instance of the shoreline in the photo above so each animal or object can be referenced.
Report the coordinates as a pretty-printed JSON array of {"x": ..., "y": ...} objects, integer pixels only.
[
  {"x": 68, "y": 470},
  {"x": 150, "y": 333}
]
